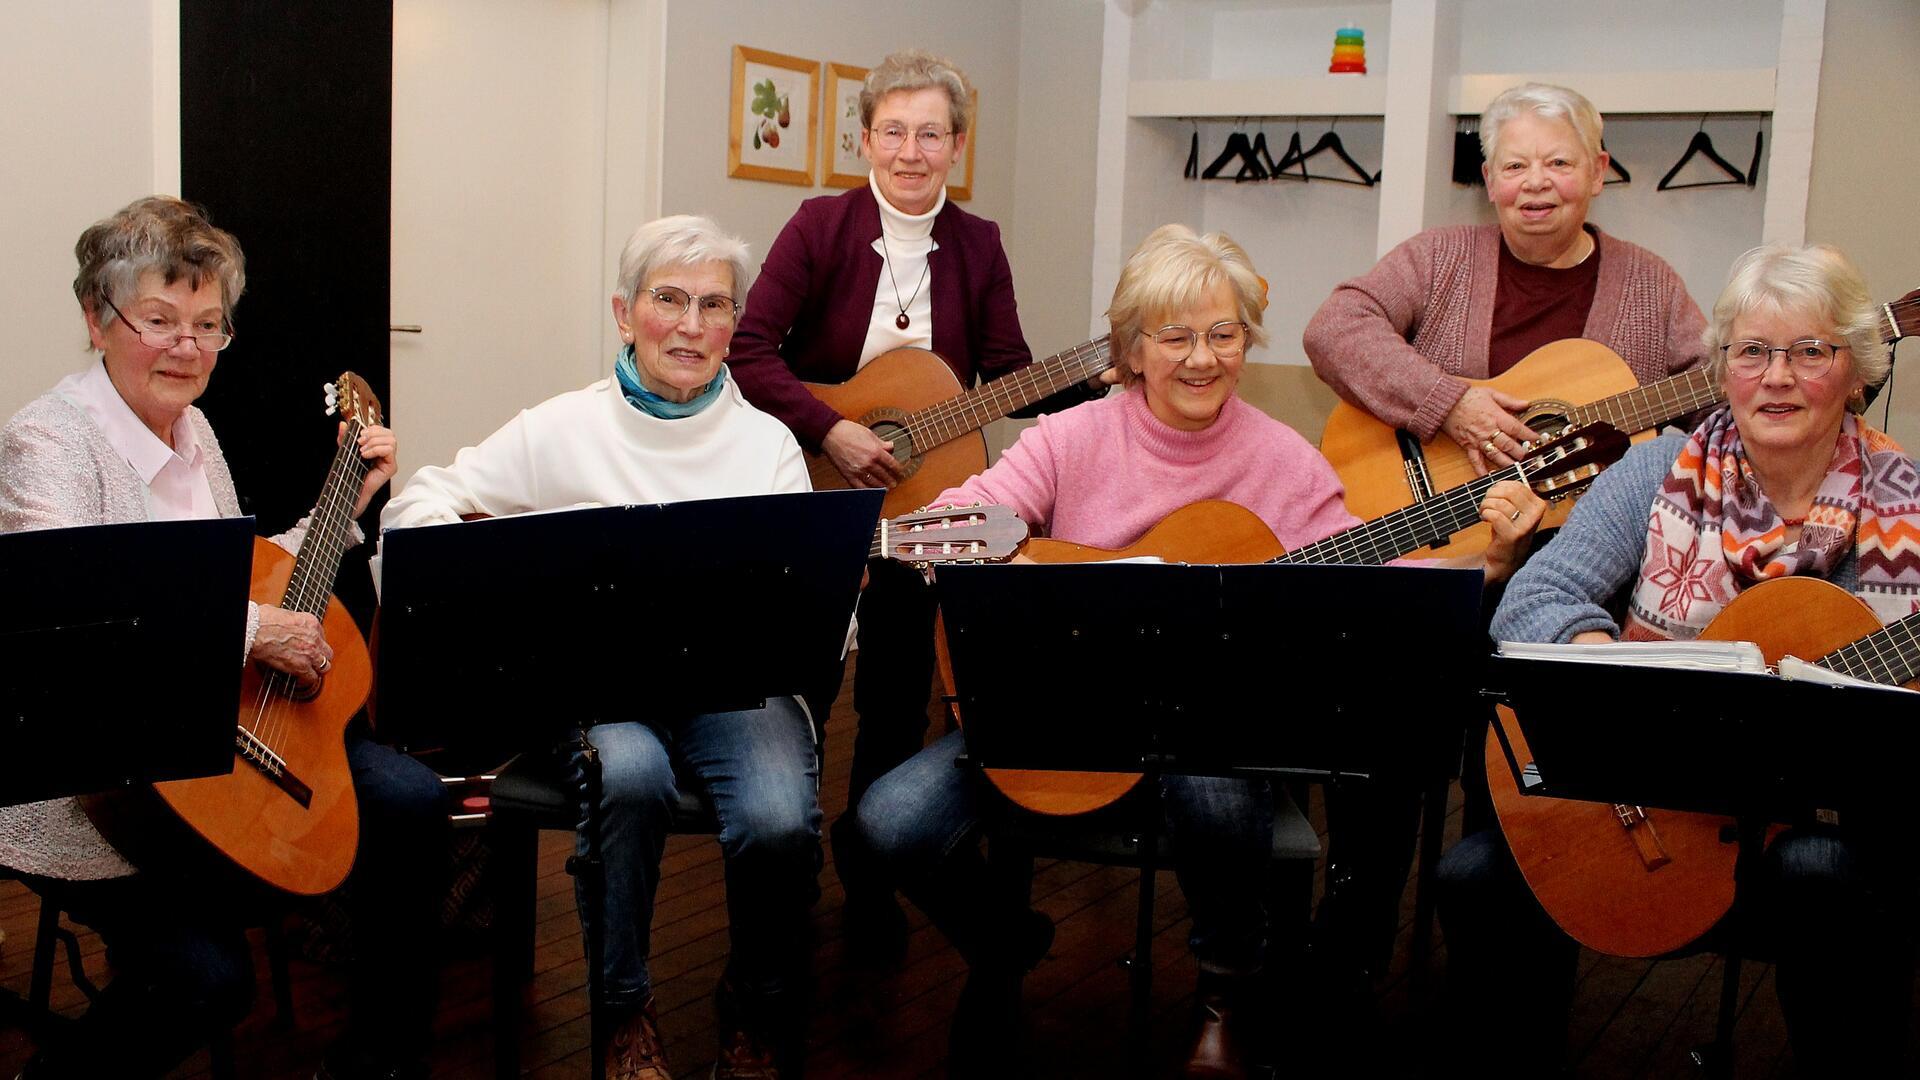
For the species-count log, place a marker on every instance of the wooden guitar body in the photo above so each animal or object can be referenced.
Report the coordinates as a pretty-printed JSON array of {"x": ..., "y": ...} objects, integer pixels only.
[
  {"x": 1203, "y": 532},
  {"x": 1589, "y": 871},
  {"x": 879, "y": 397},
  {"x": 1368, "y": 454}
]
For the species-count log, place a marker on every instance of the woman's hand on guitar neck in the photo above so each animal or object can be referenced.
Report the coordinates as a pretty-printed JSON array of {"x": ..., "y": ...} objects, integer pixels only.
[
  {"x": 382, "y": 452},
  {"x": 1514, "y": 511},
  {"x": 291, "y": 641},
  {"x": 861, "y": 456},
  {"x": 1485, "y": 424}
]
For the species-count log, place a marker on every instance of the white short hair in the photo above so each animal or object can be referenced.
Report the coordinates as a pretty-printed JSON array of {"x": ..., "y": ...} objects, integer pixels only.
[
  {"x": 1817, "y": 280},
  {"x": 1544, "y": 99},
  {"x": 682, "y": 240}
]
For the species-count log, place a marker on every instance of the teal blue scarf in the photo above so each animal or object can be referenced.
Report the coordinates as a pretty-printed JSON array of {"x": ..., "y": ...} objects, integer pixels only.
[{"x": 653, "y": 404}]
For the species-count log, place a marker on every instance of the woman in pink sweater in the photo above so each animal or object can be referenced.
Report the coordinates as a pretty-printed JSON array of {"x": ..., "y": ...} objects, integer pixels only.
[
  {"x": 1184, "y": 312},
  {"x": 1468, "y": 301}
]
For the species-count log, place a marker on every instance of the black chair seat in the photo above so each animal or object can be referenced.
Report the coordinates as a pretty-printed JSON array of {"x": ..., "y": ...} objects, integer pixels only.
[{"x": 1071, "y": 838}]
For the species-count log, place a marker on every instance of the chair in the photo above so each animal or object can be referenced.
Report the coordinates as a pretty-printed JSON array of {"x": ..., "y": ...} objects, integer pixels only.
[
  {"x": 1289, "y": 886},
  {"x": 530, "y": 794}
]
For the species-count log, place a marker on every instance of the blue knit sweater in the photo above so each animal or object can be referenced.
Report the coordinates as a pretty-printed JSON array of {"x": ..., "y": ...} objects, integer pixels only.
[{"x": 1567, "y": 587}]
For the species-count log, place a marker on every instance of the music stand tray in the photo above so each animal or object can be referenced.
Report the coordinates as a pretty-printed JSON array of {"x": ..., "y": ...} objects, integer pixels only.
[
  {"x": 116, "y": 654},
  {"x": 1301, "y": 669}
]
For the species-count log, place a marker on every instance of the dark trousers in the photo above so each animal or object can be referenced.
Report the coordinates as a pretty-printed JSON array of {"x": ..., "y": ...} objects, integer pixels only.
[
  {"x": 892, "y": 676},
  {"x": 178, "y": 946},
  {"x": 1828, "y": 907}
]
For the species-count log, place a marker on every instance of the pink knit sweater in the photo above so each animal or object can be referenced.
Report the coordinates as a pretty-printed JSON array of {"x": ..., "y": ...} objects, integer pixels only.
[
  {"x": 1397, "y": 340},
  {"x": 1105, "y": 472}
]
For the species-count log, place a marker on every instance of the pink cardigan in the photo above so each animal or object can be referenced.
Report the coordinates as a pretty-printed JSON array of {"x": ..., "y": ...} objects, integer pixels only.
[
  {"x": 1105, "y": 472},
  {"x": 1398, "y": 340}
]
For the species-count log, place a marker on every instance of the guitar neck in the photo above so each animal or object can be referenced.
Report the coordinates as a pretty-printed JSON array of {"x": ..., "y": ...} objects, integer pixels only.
[
  {"x": 1902, "y": 318},
  {"x": 318, "y": 562},
  {"x": 1404, "y": 531},
  {"x": 988, "y": 402},
  {"x": 1646, "y": 407},
  {"x": 1890, "y": 655}
]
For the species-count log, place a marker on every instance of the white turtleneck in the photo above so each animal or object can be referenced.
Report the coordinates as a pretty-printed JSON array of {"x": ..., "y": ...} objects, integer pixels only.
[{"x": 909, "y": 240}]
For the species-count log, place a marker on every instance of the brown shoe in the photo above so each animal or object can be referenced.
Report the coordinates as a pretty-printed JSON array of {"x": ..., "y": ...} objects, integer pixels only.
[
  {"x": 742, "y": 1057},
  {"x": 1215, "y": 1054},
  {"x": 634, "y": 1051}
]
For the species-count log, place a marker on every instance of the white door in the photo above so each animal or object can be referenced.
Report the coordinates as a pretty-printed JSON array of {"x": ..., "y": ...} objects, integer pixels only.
[{"x": 499, "y": 166}]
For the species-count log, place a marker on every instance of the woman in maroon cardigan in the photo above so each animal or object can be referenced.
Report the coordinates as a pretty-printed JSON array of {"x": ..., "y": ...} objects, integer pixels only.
[{"x": 852, "y": 276}]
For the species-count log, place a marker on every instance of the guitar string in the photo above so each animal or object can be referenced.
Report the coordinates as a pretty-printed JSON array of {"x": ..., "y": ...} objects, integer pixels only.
[{"x": 1074, "y": 365}]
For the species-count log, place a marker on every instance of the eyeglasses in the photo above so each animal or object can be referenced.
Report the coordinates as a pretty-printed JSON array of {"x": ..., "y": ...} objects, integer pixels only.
[
  {"x": 155, "y": 334},
  {"x": 1226, "y": 339},
  {"x": 1809, "y": 358},
  {"x": 930, "y": 140},
  {"x": 671, "y": 302}
]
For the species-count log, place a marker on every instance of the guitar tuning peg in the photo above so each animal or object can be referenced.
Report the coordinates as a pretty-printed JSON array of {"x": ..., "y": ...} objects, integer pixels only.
[{"x": 333, "y": 399}]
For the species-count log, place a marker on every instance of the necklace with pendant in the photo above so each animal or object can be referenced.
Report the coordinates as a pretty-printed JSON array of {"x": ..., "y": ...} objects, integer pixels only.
[{"x": 901, "y": 320}]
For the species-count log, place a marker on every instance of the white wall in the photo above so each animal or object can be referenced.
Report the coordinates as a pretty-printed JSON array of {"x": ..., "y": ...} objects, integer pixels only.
[
  {"x": 1866, "y": 167},
  {"x": 78, "y": 137},
  {"x": 981, "y": 36}
]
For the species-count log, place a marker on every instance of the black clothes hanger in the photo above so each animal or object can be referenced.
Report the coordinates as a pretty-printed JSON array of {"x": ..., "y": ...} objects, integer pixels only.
[
  {"x": 1294, "y": 157},
  {"x": 1331, "y": 142},
  {"x": 1702, "y": 144},
  {"x": 1614, "y": 166},
  {"x": 1237, "y": 148},
  {"x": 1192, "y": 171},
  {"x": 1467, "y": 157}
]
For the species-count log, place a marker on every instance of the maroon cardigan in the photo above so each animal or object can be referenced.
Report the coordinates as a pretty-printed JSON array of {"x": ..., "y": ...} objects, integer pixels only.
[{"x": 807, "y": 315}]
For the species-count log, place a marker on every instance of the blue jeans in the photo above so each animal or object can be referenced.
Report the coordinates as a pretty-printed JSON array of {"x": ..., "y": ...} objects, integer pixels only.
[
  {"x": 925, "y": 818},
  {"x": 760, "y": 770},
  {"x": 1824, "y": 907}
]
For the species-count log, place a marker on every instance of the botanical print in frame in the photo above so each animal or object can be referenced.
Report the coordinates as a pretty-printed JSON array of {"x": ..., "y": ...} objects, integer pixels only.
[
  {"x": 771, "y": 122},
  {"x": 843, "y": 166}
]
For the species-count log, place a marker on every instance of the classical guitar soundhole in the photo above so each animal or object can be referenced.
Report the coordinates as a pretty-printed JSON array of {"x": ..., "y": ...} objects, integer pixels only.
[
  {"x": 902, "y": 442},
  {"x": 1549, "y": 418}
]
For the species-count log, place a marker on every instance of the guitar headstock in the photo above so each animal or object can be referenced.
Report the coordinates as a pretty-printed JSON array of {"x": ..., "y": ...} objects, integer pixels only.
[
  {"x": 1903, "y": 318},
  {"x": 1569, "y": 463},
  {"x": 352, "y": 399},
  {"x": 955, "y": 534}
]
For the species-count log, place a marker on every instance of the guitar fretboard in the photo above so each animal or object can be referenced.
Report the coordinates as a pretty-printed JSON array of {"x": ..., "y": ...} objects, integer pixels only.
[
  {"x": 314, "y": 569},
  {"x": 984, "y": 404},
  {"x": 1408, "y": 529},
  {"x": 1890, "y": 655},
  {"x": 1652, "y": 405}
]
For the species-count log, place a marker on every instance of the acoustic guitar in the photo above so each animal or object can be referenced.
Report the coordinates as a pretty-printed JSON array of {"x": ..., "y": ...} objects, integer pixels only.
[
  {"x": 1628, "y": 881},
  {"x": 1567, "y": 384},
  {"x": 1222, "y": 532},
  {"x": 286, "y": 814},
  {"x": 912, "y": 401}
]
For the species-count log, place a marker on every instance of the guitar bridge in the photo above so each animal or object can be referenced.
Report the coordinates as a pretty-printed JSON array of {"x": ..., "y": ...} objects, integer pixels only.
[
  {"x": 1646, "y": 841},
  {"x": 272, "y": 765}
]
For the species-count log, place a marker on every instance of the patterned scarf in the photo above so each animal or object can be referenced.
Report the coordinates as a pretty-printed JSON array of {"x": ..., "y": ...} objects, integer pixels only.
[{"x": 1712, "y": 532}]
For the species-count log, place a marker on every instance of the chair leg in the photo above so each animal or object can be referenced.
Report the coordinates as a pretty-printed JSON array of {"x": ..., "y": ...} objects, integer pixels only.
[
  {"x": 220, "y": 1056},
  {"x": 513, "y": 874},
  {"x": 40, "y": 988},
  {"x": 275, "y": 937},
  {"x": 1433, "y": 824}
]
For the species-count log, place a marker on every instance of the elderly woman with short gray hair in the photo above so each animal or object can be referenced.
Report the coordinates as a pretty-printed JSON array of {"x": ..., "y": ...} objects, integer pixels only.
[
  {"x": 1465, "y": 302},
  {"x": 670, "y": 425}
]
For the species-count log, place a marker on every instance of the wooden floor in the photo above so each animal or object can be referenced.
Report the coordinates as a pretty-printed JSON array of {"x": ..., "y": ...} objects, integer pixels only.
[{"x": 1632, "y": 1019}]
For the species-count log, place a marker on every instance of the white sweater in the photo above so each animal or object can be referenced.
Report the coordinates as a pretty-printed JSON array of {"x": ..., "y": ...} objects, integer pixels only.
[{"x": 589, "y": 447}]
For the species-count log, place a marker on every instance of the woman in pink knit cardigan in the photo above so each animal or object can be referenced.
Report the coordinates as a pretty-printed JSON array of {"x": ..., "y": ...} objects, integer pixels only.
[
  {"x": 1185, "y": 311},
  {"x": 1468, "y": 301}
]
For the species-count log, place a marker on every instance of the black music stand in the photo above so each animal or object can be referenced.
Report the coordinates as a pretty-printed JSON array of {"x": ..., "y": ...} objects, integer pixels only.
[
  {"x": 118, "y": 639},
  {"x": 1731, "y": 744},
  {"x": 1213, "y": 670},
  {"x": 526, "y": 631}
]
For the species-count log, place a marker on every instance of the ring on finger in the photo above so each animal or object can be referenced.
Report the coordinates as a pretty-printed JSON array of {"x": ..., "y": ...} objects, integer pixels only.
[
  {"x": 1488, "y": 446},
  {"x": 1515, "y": 516}
]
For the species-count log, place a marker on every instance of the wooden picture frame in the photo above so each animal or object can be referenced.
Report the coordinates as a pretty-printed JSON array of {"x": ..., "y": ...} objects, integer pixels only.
[
  {"x": 964, "y": 189},
  {"x": 767, "y": 89},
  {"x": 842, "y": 165}
]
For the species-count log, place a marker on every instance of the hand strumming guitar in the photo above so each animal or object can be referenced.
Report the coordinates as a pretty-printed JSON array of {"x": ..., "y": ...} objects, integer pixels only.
[
  {"x": 291, "y": 641},
  {"x": 862, "y": 457},
  {"x": 1486, "y": 425}
]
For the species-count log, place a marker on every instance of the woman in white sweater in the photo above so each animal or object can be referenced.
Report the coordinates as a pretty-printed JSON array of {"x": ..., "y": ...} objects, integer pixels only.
[{"x": 671, "y": 425}]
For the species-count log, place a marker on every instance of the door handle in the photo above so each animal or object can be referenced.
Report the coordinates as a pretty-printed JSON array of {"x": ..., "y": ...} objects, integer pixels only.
[{"x": 406, "y": 328}]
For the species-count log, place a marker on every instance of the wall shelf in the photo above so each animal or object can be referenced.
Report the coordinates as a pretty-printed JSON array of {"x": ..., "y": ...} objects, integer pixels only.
[
  {"x": 1306, "y": 95},
  {"x": 1740, "y": 90}
]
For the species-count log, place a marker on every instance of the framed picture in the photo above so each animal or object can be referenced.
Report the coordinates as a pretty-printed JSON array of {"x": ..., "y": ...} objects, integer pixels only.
[
  {"x": 772, "y": 125},
  {"x": 963, "y": 171},
  {"x": 843, "y": 166}
]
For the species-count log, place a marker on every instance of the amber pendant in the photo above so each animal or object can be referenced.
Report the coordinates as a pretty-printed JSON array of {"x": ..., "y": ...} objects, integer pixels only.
[{"x": 901, "y": 320}]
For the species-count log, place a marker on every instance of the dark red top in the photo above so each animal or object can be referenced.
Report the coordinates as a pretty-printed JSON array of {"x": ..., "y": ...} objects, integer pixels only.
[
  {"x": 807, "y": 314},
  {"x": 1533, "y": 306}
]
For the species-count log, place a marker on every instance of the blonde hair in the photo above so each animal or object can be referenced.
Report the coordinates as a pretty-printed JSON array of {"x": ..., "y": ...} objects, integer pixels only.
[
  {"x": 1815, "y": 280},
  {"x": 158, "y": 234},
  {"x": 1544, "y": 99},
  {"x": 1171, "y": 269},
  {"x": 917, "y": 69}
]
